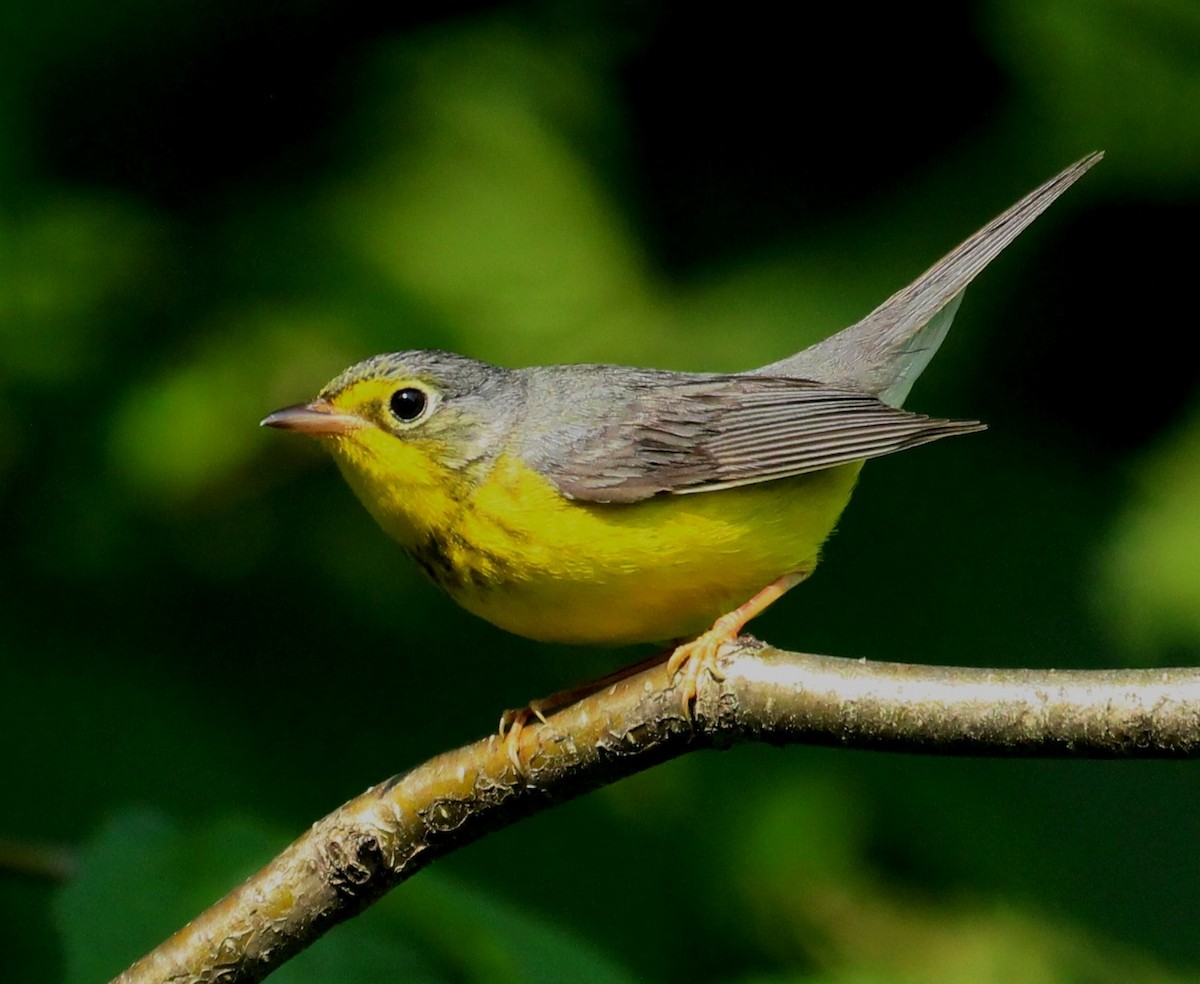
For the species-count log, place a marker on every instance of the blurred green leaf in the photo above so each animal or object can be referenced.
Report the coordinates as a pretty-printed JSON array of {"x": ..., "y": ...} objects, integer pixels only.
[
  {"x": 476, "y": 200},
  {"x": 1121, "y": 74},
  {"x": 814, "y": 898},
  {"x": 142, "y": 877},
  {"x": 67, "y": 264},
  {"x": 139, "y": 879},
  {"x": 195, "y": 426},
  {"x": 488, "y": 938},
  {"x": 1149, "y": 589}
]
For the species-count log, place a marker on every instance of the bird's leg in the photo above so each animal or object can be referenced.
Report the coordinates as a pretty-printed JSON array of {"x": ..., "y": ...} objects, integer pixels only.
[
  {"x": 690, "y": 658},
  {"x": 515, "y": 720},
  {"x": 700, "y": 655}
]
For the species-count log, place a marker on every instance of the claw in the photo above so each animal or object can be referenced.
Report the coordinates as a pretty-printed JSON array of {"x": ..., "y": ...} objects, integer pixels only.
[
  {"x": 700, "y": 655},
  {"x": 691, "y": 659},
  {"x": 513, "y": 722}
]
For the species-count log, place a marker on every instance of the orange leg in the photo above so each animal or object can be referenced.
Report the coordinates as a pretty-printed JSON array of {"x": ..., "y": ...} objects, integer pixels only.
[
  {"x": 690, "y": 658},
  {"x": 700, "y": 655},
  {"x": 513, "y": 722}
]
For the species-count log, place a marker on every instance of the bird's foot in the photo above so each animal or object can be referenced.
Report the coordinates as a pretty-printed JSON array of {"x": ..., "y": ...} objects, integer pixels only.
[
  {"x": 513, "y": 723},
  {"x": 692, "y": 659}
]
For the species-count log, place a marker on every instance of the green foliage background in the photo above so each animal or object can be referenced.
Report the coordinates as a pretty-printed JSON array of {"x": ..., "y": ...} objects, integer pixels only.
[{"x": 209, "y": 209}]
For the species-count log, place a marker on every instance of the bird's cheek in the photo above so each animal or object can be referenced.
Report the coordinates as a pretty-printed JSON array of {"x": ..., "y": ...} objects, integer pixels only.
[{"x": 388, "y": 465}]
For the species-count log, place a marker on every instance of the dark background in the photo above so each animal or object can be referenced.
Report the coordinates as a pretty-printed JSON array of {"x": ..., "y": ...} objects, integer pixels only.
[{"x": 210, "y": 209}]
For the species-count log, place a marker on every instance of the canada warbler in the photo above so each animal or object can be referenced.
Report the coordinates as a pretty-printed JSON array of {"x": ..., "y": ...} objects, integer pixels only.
[{"x": 606, "y": 504}]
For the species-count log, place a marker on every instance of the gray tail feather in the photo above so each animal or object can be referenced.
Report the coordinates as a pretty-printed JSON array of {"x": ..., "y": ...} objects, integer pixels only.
[{"x": 886, "y": 351}]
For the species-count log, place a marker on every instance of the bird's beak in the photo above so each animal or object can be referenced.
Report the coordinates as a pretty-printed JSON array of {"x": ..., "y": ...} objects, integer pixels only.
[{"x": 317, "y": 419}]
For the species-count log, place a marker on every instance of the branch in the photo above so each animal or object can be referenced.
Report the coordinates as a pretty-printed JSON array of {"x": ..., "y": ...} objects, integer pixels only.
[
  {"x": 38, "y": 862},
  {"x": 352, "y": 857}
]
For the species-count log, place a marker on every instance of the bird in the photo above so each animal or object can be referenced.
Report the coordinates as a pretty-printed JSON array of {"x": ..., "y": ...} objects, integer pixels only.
[{"x": 606, "y": 504}]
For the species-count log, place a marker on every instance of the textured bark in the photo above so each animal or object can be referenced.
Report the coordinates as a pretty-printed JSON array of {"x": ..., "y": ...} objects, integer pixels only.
[{"x": 349, "y": 859}]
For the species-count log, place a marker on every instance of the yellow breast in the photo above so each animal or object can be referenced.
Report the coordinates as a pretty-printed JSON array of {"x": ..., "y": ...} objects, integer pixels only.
[{"x": 510, "y": 548}]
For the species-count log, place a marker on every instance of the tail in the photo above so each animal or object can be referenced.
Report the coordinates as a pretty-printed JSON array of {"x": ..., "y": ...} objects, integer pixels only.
[{"x": 885, "y": 352}]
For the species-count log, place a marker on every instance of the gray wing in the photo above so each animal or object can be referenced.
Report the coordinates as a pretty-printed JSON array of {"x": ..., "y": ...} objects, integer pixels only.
[
  {"x": 887, "y": 350},
  {"x": 683, "y": 434}
]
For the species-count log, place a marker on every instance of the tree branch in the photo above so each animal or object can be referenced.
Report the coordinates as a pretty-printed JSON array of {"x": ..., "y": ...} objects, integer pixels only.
[
  {"x": 353, "y": 856},
  {"x": 39, "y": 862}
]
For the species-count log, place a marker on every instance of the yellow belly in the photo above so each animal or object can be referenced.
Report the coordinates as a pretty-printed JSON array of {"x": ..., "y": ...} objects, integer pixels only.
[{"x": 542, "y": 566}]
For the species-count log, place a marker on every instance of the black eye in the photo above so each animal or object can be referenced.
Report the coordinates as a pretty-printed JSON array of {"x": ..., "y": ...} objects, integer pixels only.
[{"x": 408, "y": 403}]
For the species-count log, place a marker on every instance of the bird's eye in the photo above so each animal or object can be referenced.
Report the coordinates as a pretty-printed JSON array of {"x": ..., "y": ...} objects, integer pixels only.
[{"x": 408, "y": 404}]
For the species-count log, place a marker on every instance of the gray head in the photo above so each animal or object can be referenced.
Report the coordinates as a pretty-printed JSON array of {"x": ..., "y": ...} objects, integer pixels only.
[{"x": 457, "y": 410}]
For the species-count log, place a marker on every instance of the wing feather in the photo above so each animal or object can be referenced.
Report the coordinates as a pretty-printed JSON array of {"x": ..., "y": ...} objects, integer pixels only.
[{"x": 680, "y": 434}]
